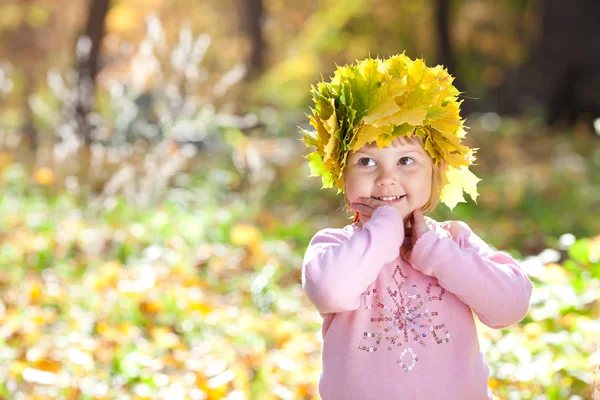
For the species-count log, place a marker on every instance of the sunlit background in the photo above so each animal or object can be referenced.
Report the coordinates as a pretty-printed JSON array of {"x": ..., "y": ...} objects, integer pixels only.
[{"x": 155, "y": 204}]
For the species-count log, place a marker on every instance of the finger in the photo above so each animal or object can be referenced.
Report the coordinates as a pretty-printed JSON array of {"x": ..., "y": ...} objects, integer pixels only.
[
  {"x": 405, "y": 253},
  {"x": 419, "y": 227},
  {"x": 371, "y": 202},
  {"x": 364, "y": 218},
  {"x": 419, "y": 222},
  {"x": 362, "y": 209}
]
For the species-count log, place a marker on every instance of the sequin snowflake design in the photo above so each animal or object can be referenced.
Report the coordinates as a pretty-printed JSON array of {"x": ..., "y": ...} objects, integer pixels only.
[{"x": 404, "y": 319}]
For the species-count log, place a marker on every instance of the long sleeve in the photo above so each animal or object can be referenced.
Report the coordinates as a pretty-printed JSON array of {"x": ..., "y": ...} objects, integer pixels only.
[
  {"x": 338, "y": 266},
  {"x": 490, "y": 283}
]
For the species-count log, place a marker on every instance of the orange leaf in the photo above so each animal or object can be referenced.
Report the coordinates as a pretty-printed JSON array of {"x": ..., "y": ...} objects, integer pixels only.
[{"x": 44, "y": 176}]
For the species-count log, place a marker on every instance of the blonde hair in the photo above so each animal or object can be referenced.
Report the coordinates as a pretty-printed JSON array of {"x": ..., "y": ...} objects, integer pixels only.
[{"x": 437, "y": 182}]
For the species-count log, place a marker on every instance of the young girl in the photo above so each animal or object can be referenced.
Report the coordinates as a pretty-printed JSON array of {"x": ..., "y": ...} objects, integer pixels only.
[{"x": 397, "y": 291}]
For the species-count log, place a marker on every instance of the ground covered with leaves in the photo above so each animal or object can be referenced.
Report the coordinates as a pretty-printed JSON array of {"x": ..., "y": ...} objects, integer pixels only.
[{"x": 198, "y": 296}]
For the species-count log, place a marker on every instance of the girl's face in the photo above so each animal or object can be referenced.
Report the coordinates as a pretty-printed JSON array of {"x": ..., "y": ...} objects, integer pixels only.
[{"x": 399, "y": 174}]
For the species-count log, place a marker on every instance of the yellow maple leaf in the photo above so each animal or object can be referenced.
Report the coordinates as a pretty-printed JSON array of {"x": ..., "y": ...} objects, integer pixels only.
[
  {"x": 369, "y": 133},
  {"x": 451, "y": 195},
  {"x": 459, "y": 179},
  {"x": 448, "y": 124},
  {"x": 414, "y": 117},
  {"x": 389, "y": 92},
  {"x": 332, "y": 143},
  {"x": 367, "y": 89},
  {"x": 317, "y": 123}
]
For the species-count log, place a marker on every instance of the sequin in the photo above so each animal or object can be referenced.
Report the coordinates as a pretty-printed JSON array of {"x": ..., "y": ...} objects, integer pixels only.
[
  {"x": 408, "y": 312},
  {"x": 401, "y": 363}
]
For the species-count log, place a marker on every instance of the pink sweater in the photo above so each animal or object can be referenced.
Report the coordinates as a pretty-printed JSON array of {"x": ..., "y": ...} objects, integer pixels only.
[{"x": 395, "y": 330}]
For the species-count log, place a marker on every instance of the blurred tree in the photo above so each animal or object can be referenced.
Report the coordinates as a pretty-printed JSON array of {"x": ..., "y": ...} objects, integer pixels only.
[
  {"x": 34, "y": 38},
  {"x": 307, "y": 41},
  {"x": 507, "y": 54},
  {"x": 252, "y": 13},
  {"x": 25, "y": 33},
  {"x": 568, "y": 58},
  {"x": 445, "y": 53},
  {"x": 88, "y": 51},
  {"x": 489, "y": 41},
  {"x": 560, "y": 76},
  {"x": 22, "y": 45}
]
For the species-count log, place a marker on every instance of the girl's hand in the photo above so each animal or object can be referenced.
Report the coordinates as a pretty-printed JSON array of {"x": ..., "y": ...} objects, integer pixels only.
[
  {"x": 412, "y": 233},
  {"x": 366, "y": 206}
]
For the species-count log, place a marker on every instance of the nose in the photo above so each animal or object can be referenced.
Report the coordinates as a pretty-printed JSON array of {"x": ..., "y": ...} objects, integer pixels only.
[{"x": 386, "y": 177}]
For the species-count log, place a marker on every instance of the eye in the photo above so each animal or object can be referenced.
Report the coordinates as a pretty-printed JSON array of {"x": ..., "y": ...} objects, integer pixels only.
[
  {"x": 406, "y": 161},
  {"x": 366, "y": 162}
]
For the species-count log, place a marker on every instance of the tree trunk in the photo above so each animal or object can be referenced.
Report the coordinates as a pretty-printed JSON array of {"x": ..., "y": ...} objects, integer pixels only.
[
  {"x": 88, "y": 52},
  {"x": 571, "y": 42},
  {"x": 445, "y": 54},
  {"x": 562, "y": 77},
  {"x": 28, "y": 129},
  {"x": 252, "y": 18}
]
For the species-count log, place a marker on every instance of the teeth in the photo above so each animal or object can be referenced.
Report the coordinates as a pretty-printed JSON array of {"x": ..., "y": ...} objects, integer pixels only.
[{"x": 388, "y": 198}]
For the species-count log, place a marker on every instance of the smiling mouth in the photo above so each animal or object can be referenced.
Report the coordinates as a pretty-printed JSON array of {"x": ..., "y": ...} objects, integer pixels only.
[{"x": 389, "y": 198}]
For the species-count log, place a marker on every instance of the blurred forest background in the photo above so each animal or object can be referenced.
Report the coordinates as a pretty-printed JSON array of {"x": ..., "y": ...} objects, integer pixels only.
[{"x": 155, "y": 204}]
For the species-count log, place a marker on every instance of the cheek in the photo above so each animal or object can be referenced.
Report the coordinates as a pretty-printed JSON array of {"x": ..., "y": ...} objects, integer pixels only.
[
  {"x": 351, "y": 193},
  {"x": 426, "y": 185},
  {"x": 421, "y": 185},
  {"x": 355, "y": 187}
]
